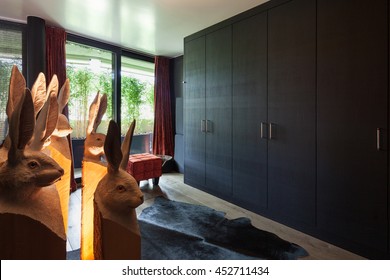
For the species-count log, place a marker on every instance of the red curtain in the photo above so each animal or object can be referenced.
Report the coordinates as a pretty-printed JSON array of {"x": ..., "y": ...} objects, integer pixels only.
[
  {"x": 163, "y": 131},
  {"x": 55, "y": 54},
  {"x": 56, "y": 64}
]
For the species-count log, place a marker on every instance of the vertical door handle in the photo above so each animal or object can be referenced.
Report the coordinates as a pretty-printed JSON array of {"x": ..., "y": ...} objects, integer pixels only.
[
  {"x": 271, "y": 128},
  {"x": 203, "y": 125},
  {"x": 262, "y": 124},
  {"x": 209, "y": 126},
  {"x": 378, "y": 139}
]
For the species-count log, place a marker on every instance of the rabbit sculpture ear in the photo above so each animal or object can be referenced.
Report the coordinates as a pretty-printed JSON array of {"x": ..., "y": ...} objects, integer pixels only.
[
  {"x": 53, "y": 86},
  {"x": 63, "y": 96},
  {"x": 46, "y": 123},
  {"x": 112, "y": 148},
  {"x": 101, "y": 111},
  {"x": 126, "y": 145},
  {"x": 96, "y": 111},
  {"x": 63, "y": 128},
  {"x": 22, "y": 123},
  {"x": 17, "y": 87},
  {"x": 38, "y": 93}
]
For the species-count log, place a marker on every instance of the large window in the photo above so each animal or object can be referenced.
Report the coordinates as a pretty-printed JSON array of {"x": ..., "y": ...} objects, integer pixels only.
[
  {"x": 89, "y": 70},
  {"x": 126, "y": 78},
  {"x": 137, "y": 95},
  {"x": 11, "y": 53}
]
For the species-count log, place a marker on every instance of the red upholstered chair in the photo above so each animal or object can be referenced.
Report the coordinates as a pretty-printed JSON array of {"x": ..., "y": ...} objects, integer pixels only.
[{"x": 144, "y": 167}]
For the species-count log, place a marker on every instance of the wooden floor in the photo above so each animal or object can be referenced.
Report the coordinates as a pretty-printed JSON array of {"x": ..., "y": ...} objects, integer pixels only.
[{"x": 171, "y": 186}]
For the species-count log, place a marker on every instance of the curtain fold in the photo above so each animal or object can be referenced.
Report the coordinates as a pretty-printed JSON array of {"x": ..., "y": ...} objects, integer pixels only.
[
  {"x": 163, "y": 129},
  {"x": 56, "y": 64}
]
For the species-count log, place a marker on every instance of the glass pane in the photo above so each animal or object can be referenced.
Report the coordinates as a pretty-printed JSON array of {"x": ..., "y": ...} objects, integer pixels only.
[
  {"x": 89, "y": 70},
  {"x": 137, "y": 99},
  {"x": 10, "y": 54}
]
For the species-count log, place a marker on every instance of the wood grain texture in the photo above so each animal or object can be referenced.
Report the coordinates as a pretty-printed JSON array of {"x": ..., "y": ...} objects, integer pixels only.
[
  {"x": 194, "y": 110},
  {"x": 25, "y": 238},
  {"x": 92, "y": 173},
  {"x": 291, "y": 109},
  {"x": 219, "y": 111},
  {"x": 60, "y": 152},
  {"x": 352, "y": 104},
  {"x": 250, "y": 111}
]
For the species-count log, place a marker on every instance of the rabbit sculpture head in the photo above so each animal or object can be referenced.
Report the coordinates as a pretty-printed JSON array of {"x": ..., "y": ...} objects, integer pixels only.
[
  {"x": 94, "y": 142},
  {"x": 25, "y": 170},
  {"x": 118, "y": 191}
]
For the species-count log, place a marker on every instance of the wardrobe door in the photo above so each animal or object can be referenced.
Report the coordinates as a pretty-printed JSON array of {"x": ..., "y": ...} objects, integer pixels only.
[
  {"x": 291, "y": 111},
  {"x": 194, "y": 112},
  {"x": 250, "y": 112},
  {"x": 218, "y": 111},
  {"x": 352, "y": 122}
]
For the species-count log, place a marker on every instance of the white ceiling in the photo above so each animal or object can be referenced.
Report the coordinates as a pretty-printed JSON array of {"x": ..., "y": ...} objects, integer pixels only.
[{"x": 155, "y": 27}]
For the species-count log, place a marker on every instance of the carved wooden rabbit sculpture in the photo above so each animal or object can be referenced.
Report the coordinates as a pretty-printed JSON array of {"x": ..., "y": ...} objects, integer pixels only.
[
  {"x": 116, "y": 197},
  {"x": 94, "y": 142},
  {"x": 51, "y": 126},
  {"x": 27, "y": 193},
  {"x": 118, "y": 192}
]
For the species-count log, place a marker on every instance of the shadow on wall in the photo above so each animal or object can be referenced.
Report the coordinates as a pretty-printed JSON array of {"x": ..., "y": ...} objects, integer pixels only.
[{"x": 141, "y": 143}]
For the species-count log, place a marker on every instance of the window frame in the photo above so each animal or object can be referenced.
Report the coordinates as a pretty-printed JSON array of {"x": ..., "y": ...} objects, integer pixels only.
[
  {"x": 117, "y": 53},
  {"x": 19, "y": 27},
  {"x": 22, "y": 27}
]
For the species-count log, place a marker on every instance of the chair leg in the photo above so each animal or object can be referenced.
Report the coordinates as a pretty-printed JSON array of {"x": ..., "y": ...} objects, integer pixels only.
[{"x": 156, "y": 180}]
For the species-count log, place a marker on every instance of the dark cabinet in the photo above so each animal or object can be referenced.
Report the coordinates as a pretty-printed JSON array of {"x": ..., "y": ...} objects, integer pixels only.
[
  {"x": 291, "y": 111},
  {"x": 274, "y": 95},
  {"x": 208, "y": 129},
  {"x": 194, "y": 111},
  {"x": 219, "y": 111},
  {"x": 353, "y": 121},
  {"x": 287, "y": 114},
  {"x": 250, "y": 112}
]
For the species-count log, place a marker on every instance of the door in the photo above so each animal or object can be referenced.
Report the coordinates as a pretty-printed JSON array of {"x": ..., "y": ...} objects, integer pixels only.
[
  {"x": 194, "y": 112},
  {"x": 219, "y": 111},
  {"x": 250, "y": 112},
  {"x": 292, "y": 111},
  {"x": 352, "y": 121}
]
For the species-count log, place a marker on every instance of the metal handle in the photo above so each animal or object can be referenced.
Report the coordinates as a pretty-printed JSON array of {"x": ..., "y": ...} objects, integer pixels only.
[
  {"x": 378, "y": 139},
  {"x": 262, "y": 124},
  {"x": 203, "y": 125},
  {"x": 270, "y": 136},
  {"x": 209, "y": 126}
]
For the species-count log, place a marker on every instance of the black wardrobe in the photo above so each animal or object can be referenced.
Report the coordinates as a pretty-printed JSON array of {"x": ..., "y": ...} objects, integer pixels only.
[{"x": 286, "y": 110}]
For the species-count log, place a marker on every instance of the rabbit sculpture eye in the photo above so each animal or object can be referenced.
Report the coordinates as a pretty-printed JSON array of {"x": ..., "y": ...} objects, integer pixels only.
[
  {"x": 121, "y": 188},
  {"x": 33, "y": 164}
]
